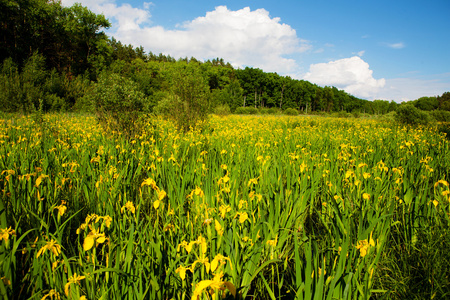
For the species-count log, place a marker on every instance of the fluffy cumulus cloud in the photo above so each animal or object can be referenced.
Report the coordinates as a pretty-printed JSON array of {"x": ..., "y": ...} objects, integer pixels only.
[
  {"x": 242, "y": 37},
  {"x": 350, "y": 74}
]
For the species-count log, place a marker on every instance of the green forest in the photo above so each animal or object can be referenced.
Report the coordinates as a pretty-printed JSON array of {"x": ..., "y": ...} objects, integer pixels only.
[{"x": 55, "y": 58}]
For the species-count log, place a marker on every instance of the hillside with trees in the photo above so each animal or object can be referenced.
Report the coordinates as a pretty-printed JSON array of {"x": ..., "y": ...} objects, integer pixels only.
[{"x": 53, "y": 57}]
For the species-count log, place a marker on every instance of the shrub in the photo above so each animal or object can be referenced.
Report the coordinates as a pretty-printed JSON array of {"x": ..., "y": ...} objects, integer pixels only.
[
  {"x": 343, "y": 114},
  {"x": 240, "y": 110},
  {"x": 252, "y": 110},
  {"x": 291, "y": 112},
  {"x": 248, "y": 110},
  {"x": 117, "y": 103},
  {"x": 440, "y": 115},
  {"x": 356, "y": 114},
  {"x": 408, "y": 114},
  {"x": 273, "y": 111},
  {"x": 263, "y": 111},
  {"x": 222, "y": 110}
]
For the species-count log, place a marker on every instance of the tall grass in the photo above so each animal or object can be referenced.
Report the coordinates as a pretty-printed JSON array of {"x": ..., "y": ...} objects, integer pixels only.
[{"x": 255, "y": 207}]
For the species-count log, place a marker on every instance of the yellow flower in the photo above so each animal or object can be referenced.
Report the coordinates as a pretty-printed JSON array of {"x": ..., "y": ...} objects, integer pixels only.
[
  {"x": 156, "y": 204},
  {"x": 218, "y": 227},
  {"x": 366, "y": 196},
  {"x": 348, "y": 173},
  {"x": 182, "y": 244},
  {"x": 61, "y": 208},
  {"x": 224, "y": 179},
  {"x": 442, "y": 182},
  {"x": 181, "y": 271},
  {"x": 215, "y": 284},
  {"x": 219, "y": 258},
  {"x": 39, "y": 179},
  {"x": 128, "y": 206},
  {"x": 202, "y": 241},
  {"x": 52, "y": 246},
  {"x": 273, "y": 242},
  {"x": 108, "y": 221},
  {"x": 204, "y": 261},
  {"x": 5, "y": 233},
  {"x": 189, "y": 246},
  {"x": 364, "y": 245},
  {"x": 242, "y": 217},
  {"x": 150, "y": 182},
  {"x": 51, "y": 294},
  {"x": 92, "y": 238},
  {"x": 207, "y": 221},
  {"x": 252, "y": 181},
  {"x": 161, "y": 195},
  {"x": 74, "y": 279},
  {"x": 223, "y": 209}
]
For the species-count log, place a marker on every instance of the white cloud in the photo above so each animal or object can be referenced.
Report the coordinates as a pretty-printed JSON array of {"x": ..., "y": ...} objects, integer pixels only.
[
  {"x": 396, "y": 45},
  {"x": 350, "y": 74},
  {"x": 242, "y": 37}
]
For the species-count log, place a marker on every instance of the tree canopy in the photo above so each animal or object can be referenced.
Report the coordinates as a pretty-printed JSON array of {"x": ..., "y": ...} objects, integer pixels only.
[{"x": 55, "y": 54}]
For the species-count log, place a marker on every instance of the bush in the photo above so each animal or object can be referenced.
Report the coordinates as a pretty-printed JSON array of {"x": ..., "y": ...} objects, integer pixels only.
[
  {"x": 291, "y": 112},
  {"x": 222, "y": 110},
  {"x": 240, "y": 110},
  {"x": 117, "y": 103},
  {"x": 252, "y": 110},
  {"x": 248, "y": 110},
  {"x": 408, "y": 114},
  {"x": 440, "y": 115},
  {"x": 263, "y": 111},
  {"x": 273, "y": 111},
  {"x": 343, "y": 114},
  {"x": 356, "y": 114}
]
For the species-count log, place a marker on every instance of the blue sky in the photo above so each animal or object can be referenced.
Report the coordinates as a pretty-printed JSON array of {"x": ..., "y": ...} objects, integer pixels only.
[{"x": 392, "y": 50}]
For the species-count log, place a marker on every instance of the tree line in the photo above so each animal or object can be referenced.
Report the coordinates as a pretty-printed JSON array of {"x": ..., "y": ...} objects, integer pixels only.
[{"x": 54, "y": 57}]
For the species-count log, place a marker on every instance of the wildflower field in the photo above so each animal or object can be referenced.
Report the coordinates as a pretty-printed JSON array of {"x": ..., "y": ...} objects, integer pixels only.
[{"x": 246, "y": 207}]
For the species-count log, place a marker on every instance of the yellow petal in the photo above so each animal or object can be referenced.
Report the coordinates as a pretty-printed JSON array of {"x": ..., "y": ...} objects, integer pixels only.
[
  {"x": 218, "y": 227},
  {"x": 101, "y": 239},
  {"x": 156, "y": 204},
  {"x": 214, "y": 263},
  {"x": 181, "y": 271},
  {"x": 189, "y": 247},
  {"x": 200, "y": 287},
  {"x": 38, "y": 181},
  {"x": 243, "y": 217},
  {"x": 88, "y": 242},
  {"x": 161, "y": 194},
  {"x": 66, "y": 289}
]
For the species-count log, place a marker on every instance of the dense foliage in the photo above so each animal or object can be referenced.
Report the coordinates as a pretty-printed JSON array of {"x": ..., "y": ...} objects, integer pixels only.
[
  {"x": 54, "y": 54},
  {"x": 262, "y": 207}
]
